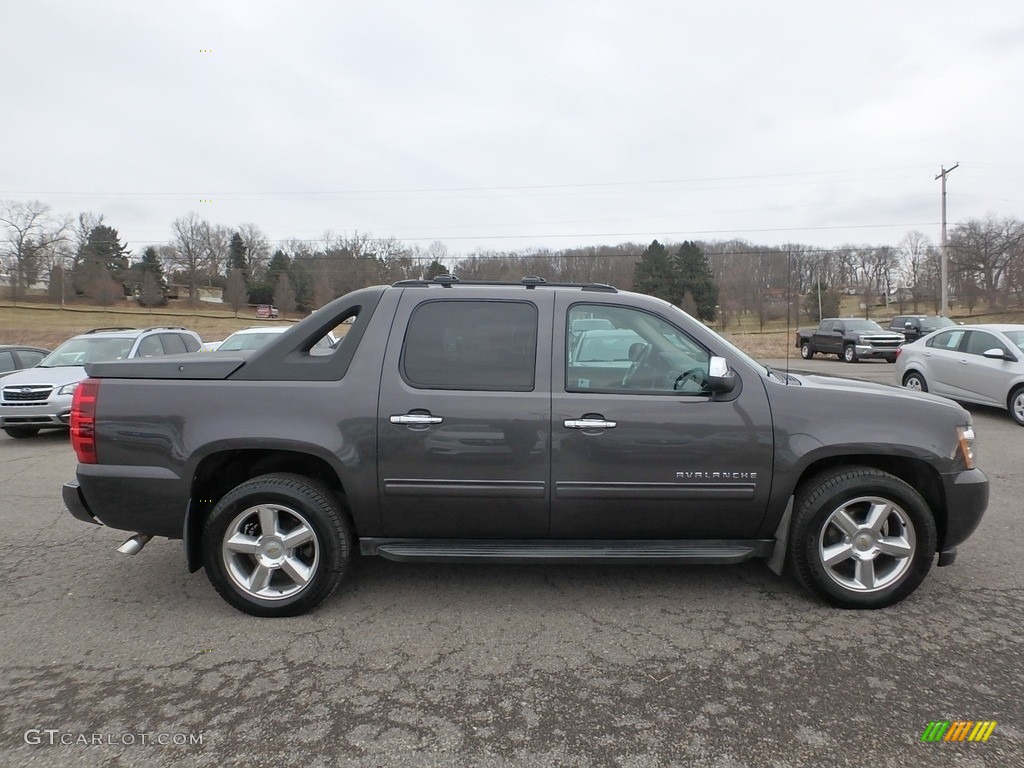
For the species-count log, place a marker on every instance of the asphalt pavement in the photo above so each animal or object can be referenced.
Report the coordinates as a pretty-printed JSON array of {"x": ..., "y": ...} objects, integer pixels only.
[{"x": 109, "y": 660}]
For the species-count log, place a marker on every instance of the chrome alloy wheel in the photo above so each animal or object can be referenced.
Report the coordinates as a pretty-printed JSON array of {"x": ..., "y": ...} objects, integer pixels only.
[
  {"x": 867, "y": 544},
  {"x": 270, "y": 552},
  {"x": 1017, "y": 406},
  {"x": 913, "y": 383}
]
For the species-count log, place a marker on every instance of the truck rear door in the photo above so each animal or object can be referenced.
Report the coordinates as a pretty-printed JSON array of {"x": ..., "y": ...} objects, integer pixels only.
[
  {"x": 829, "y": 337},
  {"x": 464, "y": 416}
]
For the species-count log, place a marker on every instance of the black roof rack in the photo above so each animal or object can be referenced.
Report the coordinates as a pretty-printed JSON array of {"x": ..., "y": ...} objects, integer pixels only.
[
  {"x": 530, "y": 282},
  {"x": 113, "y": 328}
]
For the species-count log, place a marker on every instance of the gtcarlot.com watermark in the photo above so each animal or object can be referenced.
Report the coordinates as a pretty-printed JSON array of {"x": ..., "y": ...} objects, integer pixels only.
[{"x": 54, "y": 737}]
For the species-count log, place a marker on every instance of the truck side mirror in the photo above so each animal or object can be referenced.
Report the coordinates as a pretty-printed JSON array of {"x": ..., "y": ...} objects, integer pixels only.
[{"x": 720, "y": 380}]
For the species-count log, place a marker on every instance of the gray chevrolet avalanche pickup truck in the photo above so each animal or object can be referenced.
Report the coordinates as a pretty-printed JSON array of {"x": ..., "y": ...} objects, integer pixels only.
[{"x": 459, "y": 421}]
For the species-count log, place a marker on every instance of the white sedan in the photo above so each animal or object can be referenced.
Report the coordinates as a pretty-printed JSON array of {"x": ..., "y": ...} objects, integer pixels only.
[{"x": 981, "y": 364}]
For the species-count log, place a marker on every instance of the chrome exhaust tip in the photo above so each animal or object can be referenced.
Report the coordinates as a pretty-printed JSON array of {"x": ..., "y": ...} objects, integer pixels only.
[{"x": 135, "y": 544}]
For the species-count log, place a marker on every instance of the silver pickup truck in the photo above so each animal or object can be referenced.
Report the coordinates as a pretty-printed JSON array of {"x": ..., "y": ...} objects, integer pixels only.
[{"x": 458, "y": 421}]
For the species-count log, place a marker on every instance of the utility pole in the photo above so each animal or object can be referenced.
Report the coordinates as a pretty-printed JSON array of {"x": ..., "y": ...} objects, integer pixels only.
[{"x": 944, "y": 309}]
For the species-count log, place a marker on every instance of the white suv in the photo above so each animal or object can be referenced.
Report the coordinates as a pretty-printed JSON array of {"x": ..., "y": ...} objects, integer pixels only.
[{"x": 40, "y": 398}]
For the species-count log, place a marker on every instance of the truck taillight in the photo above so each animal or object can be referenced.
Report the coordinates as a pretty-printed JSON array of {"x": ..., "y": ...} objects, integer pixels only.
[{"x": 83, "y": 420}]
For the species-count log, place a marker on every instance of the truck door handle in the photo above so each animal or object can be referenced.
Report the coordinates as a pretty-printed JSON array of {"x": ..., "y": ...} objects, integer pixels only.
[
  {"x": 586, "y": 423},
  {"x": 416, "y": 419}
]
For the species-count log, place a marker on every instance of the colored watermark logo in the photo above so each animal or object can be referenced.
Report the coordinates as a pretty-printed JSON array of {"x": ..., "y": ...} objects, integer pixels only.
[{"x": 958, "y": 730}]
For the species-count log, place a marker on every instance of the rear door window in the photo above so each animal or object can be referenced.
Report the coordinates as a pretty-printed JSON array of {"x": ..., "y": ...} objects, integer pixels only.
[
  {"x": 949, "y": 341},
  {"x": 471, "y": 345},
  {"x": 29, "y": 357},
  {"x": 191, "y": 345},
  {"x": 172, "y": 343}
]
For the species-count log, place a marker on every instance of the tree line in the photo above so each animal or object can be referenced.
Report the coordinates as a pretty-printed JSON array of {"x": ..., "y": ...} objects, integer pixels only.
[{"x": 84, "y": 258}]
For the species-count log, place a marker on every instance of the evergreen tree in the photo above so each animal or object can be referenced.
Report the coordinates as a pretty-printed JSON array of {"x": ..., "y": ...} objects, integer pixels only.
[
  {"x": 279, "y": 265},
  {"x": 100, "y": 258},
  {"x": 693, "y": 275},
  {"x": 262, "y": 291},
  {"x": 153, "y": 289},
  {"x": 238, "y": 255},
  {"x": 436, "y": 268},
  {"x": 653, "y": 274}
]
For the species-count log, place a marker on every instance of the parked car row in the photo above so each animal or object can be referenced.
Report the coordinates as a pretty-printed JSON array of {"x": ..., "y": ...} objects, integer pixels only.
[
  {"x": 38, "y": 384},
  {"x": 40, "y": 397},
  {"x": 981, "y": 364}
]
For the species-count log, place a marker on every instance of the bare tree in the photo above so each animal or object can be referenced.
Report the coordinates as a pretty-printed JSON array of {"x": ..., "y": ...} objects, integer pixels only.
[
  {"x": 217, "y": 243},
  {"x": 284, "y": 294},
  {"x": 913, "y": 253},
  {"x": 257, "y": 249},
  {"x": 984, "y": 250},
  {"x": 187, "y": 253},
  {"x": 235, "y": 291},
  {"x": 32, "y": 236},
  {"x": 104, "y": 289}
]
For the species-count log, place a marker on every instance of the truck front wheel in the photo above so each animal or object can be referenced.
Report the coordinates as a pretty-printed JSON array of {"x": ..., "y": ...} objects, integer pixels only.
[
  {"x": 861, "y": 538},
  {"x": 277, "y": 545},
  {"x": 849, "y": 354}
]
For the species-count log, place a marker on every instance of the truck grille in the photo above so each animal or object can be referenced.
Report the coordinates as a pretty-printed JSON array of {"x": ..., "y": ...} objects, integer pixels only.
[
  {"x": 28, "y": 394},
  {"x": 882, "y": 342}
]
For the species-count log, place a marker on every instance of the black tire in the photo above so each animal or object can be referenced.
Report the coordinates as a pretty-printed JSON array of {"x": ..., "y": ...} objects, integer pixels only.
[
  {"x": 1015, "y": 405},
  {"x": 881, "y": 558},
  {"x": 20, "y": 432},
  {"x": 915, "y": 381},
  {"x": 295, "y": 579},
  {"x": 805, "y": 350},
  {"x": 890, "y": 358},
  {"x": 849, "y": 353}
]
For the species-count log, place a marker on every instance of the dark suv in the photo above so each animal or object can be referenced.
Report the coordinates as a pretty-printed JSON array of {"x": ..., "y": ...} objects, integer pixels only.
[{"x": 916, "y": 326}]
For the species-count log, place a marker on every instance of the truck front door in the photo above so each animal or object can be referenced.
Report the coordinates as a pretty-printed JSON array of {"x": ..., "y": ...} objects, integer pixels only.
[
  {"x": 639, "y": 450},
  {"x": 464, "y": 417}
]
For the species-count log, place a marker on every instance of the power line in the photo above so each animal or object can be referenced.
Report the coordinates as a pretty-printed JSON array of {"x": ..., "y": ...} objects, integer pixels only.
[{"x": 483, "y": 188}]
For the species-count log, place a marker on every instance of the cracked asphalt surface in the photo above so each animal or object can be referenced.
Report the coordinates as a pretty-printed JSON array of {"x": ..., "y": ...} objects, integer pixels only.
[{"x": 496, "y": 665}]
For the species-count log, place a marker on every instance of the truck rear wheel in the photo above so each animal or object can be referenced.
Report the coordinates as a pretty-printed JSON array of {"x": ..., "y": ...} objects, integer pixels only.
[
  {"x": 861, "y": 538},
  {"x": 277, "y": 545},
  {"x": 805, "y": 350}
]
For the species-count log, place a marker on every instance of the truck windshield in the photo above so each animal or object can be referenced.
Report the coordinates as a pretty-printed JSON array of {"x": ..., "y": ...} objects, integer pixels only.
[{"x": 862, "y": 325}]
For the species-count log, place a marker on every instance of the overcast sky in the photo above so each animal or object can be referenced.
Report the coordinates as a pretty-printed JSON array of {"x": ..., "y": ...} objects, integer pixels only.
[{"x": 517, "y": 125}]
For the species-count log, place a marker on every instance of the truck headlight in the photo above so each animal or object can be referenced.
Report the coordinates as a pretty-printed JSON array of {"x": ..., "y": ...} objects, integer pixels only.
[{"x": 965, "y": 437}]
